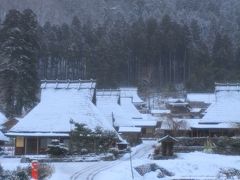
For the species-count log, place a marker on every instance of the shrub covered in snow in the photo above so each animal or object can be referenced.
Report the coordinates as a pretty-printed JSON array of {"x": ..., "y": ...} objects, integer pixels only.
[
  {"x": 19, "y": 174},
  {"x": 84, "y": 151},
  {"x": 55, "y": 148},
  {"x": 230, "y": 173},
  {"x": 1, "y": 150},
  {"x": 114, "y": 151},
  {"x": 97, "y": 141},
  {"x": 209, "y": 146},
  {"x": 146, "y": 168},
  {"x": 228, "y": 145}
]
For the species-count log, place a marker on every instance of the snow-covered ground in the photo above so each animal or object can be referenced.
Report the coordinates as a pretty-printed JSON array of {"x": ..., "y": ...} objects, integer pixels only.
[{"x": 196, "y": 165}]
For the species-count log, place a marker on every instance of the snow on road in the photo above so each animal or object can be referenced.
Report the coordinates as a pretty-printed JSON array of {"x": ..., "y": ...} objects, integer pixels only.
[{"x": 92, "y": 170}]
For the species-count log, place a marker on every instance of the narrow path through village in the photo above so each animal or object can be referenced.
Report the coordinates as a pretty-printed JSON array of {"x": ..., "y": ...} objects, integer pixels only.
[{"x": 91, "y": 171}]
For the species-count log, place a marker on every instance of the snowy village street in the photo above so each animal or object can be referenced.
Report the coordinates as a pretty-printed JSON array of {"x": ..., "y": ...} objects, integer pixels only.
[{"x": 97, "y": 170}]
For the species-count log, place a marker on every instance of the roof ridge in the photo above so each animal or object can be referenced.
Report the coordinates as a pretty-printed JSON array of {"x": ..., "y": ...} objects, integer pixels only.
[
  {"x": 67, "y": 81},
  {"x": 68, "y": 84}
]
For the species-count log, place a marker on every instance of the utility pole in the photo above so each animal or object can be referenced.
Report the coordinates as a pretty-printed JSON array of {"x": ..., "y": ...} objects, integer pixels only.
[{"x": 131, "y": 164}]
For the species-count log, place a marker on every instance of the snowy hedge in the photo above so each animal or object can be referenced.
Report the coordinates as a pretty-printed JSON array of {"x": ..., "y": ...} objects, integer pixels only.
[{"x": 84, "y": 140}]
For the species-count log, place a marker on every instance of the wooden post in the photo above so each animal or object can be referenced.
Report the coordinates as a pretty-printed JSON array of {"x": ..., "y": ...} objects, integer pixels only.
[
  {"x": 37, "y": 145},
  {"x": 25, "y": 146},
  {"x": 131, "y": 164}
]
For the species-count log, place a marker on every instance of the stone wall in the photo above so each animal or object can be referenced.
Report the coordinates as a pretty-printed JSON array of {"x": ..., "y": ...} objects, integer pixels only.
[{"x": 222, "y": 145}]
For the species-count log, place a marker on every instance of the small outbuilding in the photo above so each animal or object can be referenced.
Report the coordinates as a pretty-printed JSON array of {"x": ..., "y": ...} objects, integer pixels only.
[
  {"x": 122, "y": 145},
  {"x": 131, "y": 134},
  {"x": 167, "y": 145}
]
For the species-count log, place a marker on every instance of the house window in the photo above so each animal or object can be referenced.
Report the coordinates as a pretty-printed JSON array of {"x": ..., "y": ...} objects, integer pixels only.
[
  {"x": 143, "y": 130},
  {"x": 149, "y": 131},
  {"x": 43, "y": 143},
  {"x": 19, "y": 141}
]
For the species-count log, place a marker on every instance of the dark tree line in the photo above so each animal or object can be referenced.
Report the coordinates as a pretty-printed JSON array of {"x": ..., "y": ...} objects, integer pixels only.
[
  {"x": 148, "y": 52},
  {"x": 151, "y": 52}
]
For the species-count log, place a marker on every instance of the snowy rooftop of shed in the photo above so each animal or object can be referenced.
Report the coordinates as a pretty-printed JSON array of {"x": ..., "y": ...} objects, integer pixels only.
[
  {"x": 131, "y": 92},
  {"x": 160, "y": 111},
  {"x": 214, "y": 126},
  {"x": 145, "y": 123},
  {"x": 188, "y": 124},
  {"x": 174, "y": 100},
  {"x": 178, "y": 104},
  {"x": 129, "y": 129},
  {"x": 227, "y": 87},
  {"x": 167, "y": 138},
  {"x": 196, "y": 110},
  {"x": 201, "y": 97},
  {"x": 60, "y": 105},
  {"x": 108, "y": 92}
]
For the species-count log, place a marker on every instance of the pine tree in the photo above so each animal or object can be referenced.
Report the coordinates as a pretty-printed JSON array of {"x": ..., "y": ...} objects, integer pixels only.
[{"x": 18, "y": 70}]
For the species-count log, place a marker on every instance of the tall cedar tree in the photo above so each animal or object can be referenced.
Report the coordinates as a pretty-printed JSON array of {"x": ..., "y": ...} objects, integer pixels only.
[{"x": 18, "y": 70}]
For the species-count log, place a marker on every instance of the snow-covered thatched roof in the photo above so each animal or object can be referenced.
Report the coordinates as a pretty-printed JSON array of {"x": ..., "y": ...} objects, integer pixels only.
[
  {"x": 226, "y": 108},
  {"x": 138, "y": 118},
  {"x": 107, "y": 103},
  {"x": 59, "y": 104},
  {"x": 131, "y": 92},
  {"x": 129, "y": 108}
]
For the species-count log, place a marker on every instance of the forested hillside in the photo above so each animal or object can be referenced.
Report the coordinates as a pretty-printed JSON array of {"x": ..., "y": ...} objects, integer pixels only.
[
  {"x": 212, "y": 15},
  {"x": 148, "y": 52},
  {"x": 155, "y": 44}
]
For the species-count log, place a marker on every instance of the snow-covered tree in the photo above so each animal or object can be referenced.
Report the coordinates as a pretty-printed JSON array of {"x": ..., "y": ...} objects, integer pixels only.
[
  {"x": 18, "y": 59},
  {"x": 84, "y": 139}
]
